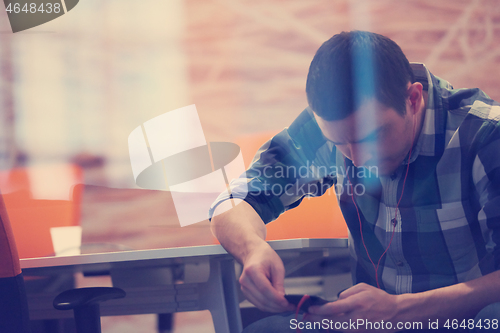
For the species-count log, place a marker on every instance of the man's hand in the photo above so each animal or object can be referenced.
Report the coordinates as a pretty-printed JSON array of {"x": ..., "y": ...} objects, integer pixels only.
[
  {"x": 242, "y": 233},
  {"x": 361, "y": 301},
  {"x": 263, "y": 278}
]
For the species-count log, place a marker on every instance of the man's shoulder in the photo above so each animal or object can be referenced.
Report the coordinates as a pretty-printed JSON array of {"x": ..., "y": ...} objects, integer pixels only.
[
  {"x": 305, "y": 131},
  {"x": 304, "y": 122},
  {"x": 474, "y": 116},
  {"x": 470, "y": 111},
  {"x": 472, "y": 104},
  {"x": 303, "y": 137},
  {"x": 459, "y": 102},
  {"x": 486, "y": 109}
]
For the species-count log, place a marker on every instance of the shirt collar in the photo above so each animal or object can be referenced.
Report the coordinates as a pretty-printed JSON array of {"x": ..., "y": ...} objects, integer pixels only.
[{"x": 434, "y": 117}]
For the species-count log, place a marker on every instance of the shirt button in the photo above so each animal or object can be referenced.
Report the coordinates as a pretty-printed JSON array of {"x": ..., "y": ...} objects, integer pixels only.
[{"x": 400, "y": 263}]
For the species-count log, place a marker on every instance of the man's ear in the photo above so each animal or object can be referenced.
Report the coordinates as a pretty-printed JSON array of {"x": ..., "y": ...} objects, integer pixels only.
[{"x": 415, "y": 96}]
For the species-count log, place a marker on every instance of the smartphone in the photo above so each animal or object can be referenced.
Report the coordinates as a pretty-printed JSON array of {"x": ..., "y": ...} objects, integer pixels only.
[{"x": 312, "y": 300}]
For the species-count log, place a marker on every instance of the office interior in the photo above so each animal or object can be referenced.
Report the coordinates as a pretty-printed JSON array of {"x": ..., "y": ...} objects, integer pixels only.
[{"x": 73, "y": 89}]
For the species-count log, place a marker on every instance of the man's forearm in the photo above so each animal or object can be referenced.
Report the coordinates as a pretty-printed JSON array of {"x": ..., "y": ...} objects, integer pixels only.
[
  {"x": 460, "y": 301},
  {"x": 239, "y": 229}
]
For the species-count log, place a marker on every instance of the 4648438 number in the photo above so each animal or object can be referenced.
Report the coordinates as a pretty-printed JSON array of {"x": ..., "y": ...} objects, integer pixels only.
[
  {"x": 32, "y": 8},
  {"x": 486, "y": 324}
]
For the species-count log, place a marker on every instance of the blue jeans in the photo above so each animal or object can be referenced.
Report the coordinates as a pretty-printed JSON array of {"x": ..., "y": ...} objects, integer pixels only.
[
  {"x": 285, "y": 323},
  {"x": 487, "y": 315},
  {"x": 282, "y": 323}
]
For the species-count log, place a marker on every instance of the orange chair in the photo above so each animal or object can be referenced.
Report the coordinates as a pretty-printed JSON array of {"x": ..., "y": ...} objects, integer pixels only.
[
  {"x": 315, "y": 217},
  {"x": 37, "y": 199},
  {"x": 14, "y": 316}
]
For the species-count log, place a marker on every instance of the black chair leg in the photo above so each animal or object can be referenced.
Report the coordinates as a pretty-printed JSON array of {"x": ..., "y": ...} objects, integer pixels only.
[
  {"x": 165, "y": 322},
  {"x": 85, "y": 304},
  {"x": 88, "y": 319}
]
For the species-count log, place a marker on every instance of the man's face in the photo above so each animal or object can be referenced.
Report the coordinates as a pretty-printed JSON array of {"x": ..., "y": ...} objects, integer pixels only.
[{"x": 373, "y": 136}]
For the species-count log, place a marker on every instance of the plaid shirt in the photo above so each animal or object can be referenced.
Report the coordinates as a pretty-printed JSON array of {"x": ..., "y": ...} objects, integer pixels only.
[{"x": 447, "y": 228}]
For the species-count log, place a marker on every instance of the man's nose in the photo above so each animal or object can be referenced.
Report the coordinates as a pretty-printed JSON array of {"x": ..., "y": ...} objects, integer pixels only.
[{"x": 359, "y": 154}]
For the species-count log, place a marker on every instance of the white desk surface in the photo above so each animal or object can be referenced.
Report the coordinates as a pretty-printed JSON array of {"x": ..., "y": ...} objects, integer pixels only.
[
  {"x": 209, "y": 279},
  {"x": 171, "y": 253}
]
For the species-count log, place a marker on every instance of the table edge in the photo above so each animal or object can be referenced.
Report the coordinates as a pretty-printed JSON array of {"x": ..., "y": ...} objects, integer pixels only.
[{"x": 176, "y": 252}]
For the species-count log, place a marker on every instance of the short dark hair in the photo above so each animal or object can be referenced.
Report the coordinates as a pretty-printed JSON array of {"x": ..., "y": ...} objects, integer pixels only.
[{"x": 352, "y": 66}]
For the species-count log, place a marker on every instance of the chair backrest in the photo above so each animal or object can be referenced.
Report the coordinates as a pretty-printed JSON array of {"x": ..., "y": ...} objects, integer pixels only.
[
  {"x": 318, "y": 217},
  {"x": 14, "y": 314},
  {"x": 9, "y": 259},
  {"x": 37, "y": 199}
]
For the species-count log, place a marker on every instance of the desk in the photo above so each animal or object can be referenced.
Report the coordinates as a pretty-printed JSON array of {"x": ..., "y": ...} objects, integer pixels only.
[{"x": 207, "y": 280}]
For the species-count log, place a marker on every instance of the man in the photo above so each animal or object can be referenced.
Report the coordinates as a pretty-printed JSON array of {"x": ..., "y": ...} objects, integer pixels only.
[{"x": 416, "y": 167}]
